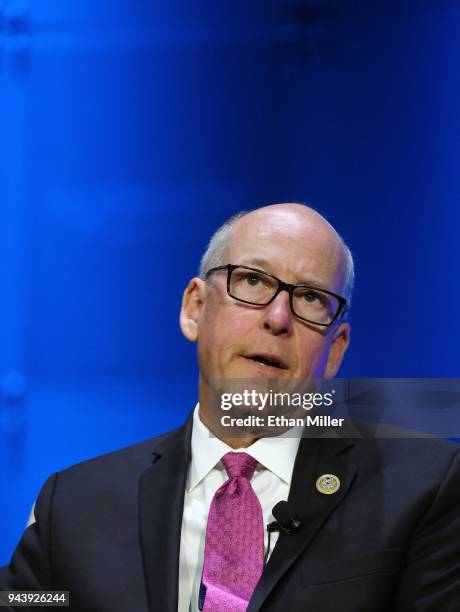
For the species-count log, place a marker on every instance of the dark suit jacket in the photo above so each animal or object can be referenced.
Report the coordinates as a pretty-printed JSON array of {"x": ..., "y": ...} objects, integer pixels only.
[{"x": 108, "y": 530}]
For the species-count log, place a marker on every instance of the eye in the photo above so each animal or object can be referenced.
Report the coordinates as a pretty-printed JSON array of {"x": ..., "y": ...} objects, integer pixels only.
[
  {"x": 253, "y": 279},
  {"x": 310, "y": 296},
  {"x": 314, "y": 298}
]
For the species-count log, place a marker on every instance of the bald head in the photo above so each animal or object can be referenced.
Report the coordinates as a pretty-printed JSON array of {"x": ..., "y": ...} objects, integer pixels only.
[{"x": 297, "y": 225}]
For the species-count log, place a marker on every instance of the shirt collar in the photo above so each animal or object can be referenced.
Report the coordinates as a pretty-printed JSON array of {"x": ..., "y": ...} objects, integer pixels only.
[{"x": 274, "y": 454}]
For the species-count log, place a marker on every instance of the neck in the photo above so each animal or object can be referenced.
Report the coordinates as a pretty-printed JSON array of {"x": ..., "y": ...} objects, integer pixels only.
[
  {"x": 208, "y": 417},
  {"x": 240, "y": 442}
]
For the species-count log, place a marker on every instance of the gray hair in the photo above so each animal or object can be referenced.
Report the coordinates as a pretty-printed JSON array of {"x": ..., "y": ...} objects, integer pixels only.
[{"x": 214, "y": 254}]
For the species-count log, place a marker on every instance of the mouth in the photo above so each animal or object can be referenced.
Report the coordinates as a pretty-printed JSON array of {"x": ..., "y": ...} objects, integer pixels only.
[{"x": 266, "y": 359}]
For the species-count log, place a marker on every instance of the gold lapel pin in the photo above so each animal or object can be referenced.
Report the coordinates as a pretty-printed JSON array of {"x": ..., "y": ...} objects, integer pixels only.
[{"x": 328, "y": 484}]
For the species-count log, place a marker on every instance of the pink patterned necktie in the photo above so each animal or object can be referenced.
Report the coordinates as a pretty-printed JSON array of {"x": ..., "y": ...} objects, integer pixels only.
[{"x": 234, "y": 548}]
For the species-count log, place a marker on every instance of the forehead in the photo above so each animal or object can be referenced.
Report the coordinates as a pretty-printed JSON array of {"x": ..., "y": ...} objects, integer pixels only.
[{"x": 296, "y": 245}]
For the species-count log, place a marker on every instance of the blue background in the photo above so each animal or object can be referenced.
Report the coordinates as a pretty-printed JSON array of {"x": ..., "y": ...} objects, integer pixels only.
[{"x": 130, "y": 130}]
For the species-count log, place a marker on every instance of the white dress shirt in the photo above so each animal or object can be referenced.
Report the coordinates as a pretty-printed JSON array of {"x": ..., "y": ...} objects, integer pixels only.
[{"x": 271, "y": 483}]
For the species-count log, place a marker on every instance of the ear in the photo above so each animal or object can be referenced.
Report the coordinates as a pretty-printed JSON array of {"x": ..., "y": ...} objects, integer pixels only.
[
  {"x": 339, "y": 344},
  {"x": 192, "y": 306}
]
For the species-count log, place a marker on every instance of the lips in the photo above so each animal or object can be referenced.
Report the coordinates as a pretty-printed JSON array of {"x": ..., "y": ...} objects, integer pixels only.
[{"x": 268, "y": 359}]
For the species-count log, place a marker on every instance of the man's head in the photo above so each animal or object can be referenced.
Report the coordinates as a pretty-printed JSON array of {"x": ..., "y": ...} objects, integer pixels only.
[{"x": 237, "y": 340}]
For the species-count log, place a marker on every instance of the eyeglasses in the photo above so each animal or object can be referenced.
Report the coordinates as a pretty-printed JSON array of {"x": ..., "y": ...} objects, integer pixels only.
[{"x": 253, "y": 286}]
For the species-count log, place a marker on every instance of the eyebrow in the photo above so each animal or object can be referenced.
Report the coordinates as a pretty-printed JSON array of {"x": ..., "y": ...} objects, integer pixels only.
[{"x": 258, "y": 261}]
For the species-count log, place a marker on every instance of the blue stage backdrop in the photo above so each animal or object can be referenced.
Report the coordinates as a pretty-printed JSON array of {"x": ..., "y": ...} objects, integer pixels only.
[{"x": 131, "y": 130}]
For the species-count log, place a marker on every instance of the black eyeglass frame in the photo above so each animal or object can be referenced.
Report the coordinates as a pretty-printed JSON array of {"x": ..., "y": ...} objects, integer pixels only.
[{"x": 282, "y": 286}]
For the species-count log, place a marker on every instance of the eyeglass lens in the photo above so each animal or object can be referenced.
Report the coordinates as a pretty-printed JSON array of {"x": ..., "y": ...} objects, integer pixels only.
[{"x": 307, "y": 302}]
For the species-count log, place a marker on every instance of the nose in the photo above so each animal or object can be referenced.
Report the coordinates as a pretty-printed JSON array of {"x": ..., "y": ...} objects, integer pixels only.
[{"x": 277, "y": 316}]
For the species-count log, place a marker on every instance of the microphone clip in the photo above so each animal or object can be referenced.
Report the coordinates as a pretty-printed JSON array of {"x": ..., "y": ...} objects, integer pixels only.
[{"x": 288, "y": 528}]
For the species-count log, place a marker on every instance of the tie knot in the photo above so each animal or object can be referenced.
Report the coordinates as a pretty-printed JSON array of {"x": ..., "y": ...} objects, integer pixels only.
[{"x": 239, "y": 464}]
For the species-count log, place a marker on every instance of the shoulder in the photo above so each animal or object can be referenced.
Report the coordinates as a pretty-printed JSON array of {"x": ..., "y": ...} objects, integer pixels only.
[
  {"x": 407, "y": 464},
  {"x": 113, "y": 473},
  {"x": 135, "y": 456},
  {"x": 400, "y": 444}
]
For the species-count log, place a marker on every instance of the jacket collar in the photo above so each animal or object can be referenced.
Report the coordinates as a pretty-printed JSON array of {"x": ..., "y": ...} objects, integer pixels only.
[
  {"x": 161, "y": 501},
  {"x": 316, "y": 456}
]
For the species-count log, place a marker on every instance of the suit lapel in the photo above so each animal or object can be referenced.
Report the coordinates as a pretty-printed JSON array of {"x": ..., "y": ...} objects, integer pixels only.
[
  {"x": 161, "y": 501},
  {"x": 314, "y": 458}
]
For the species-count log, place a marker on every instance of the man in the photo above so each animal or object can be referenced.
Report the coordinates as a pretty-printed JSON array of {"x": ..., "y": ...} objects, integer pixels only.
[{"x": 378, "y": 518}]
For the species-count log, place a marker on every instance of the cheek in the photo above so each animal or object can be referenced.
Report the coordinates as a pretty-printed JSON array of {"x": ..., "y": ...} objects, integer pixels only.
[
  {"x": 223, "y": 333},
  {"x": 221, "y": 336},
  {"x": 314, "y": 351},
  {"x": 235, "y": 327},
  {"x": 231, "y": 324}
]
